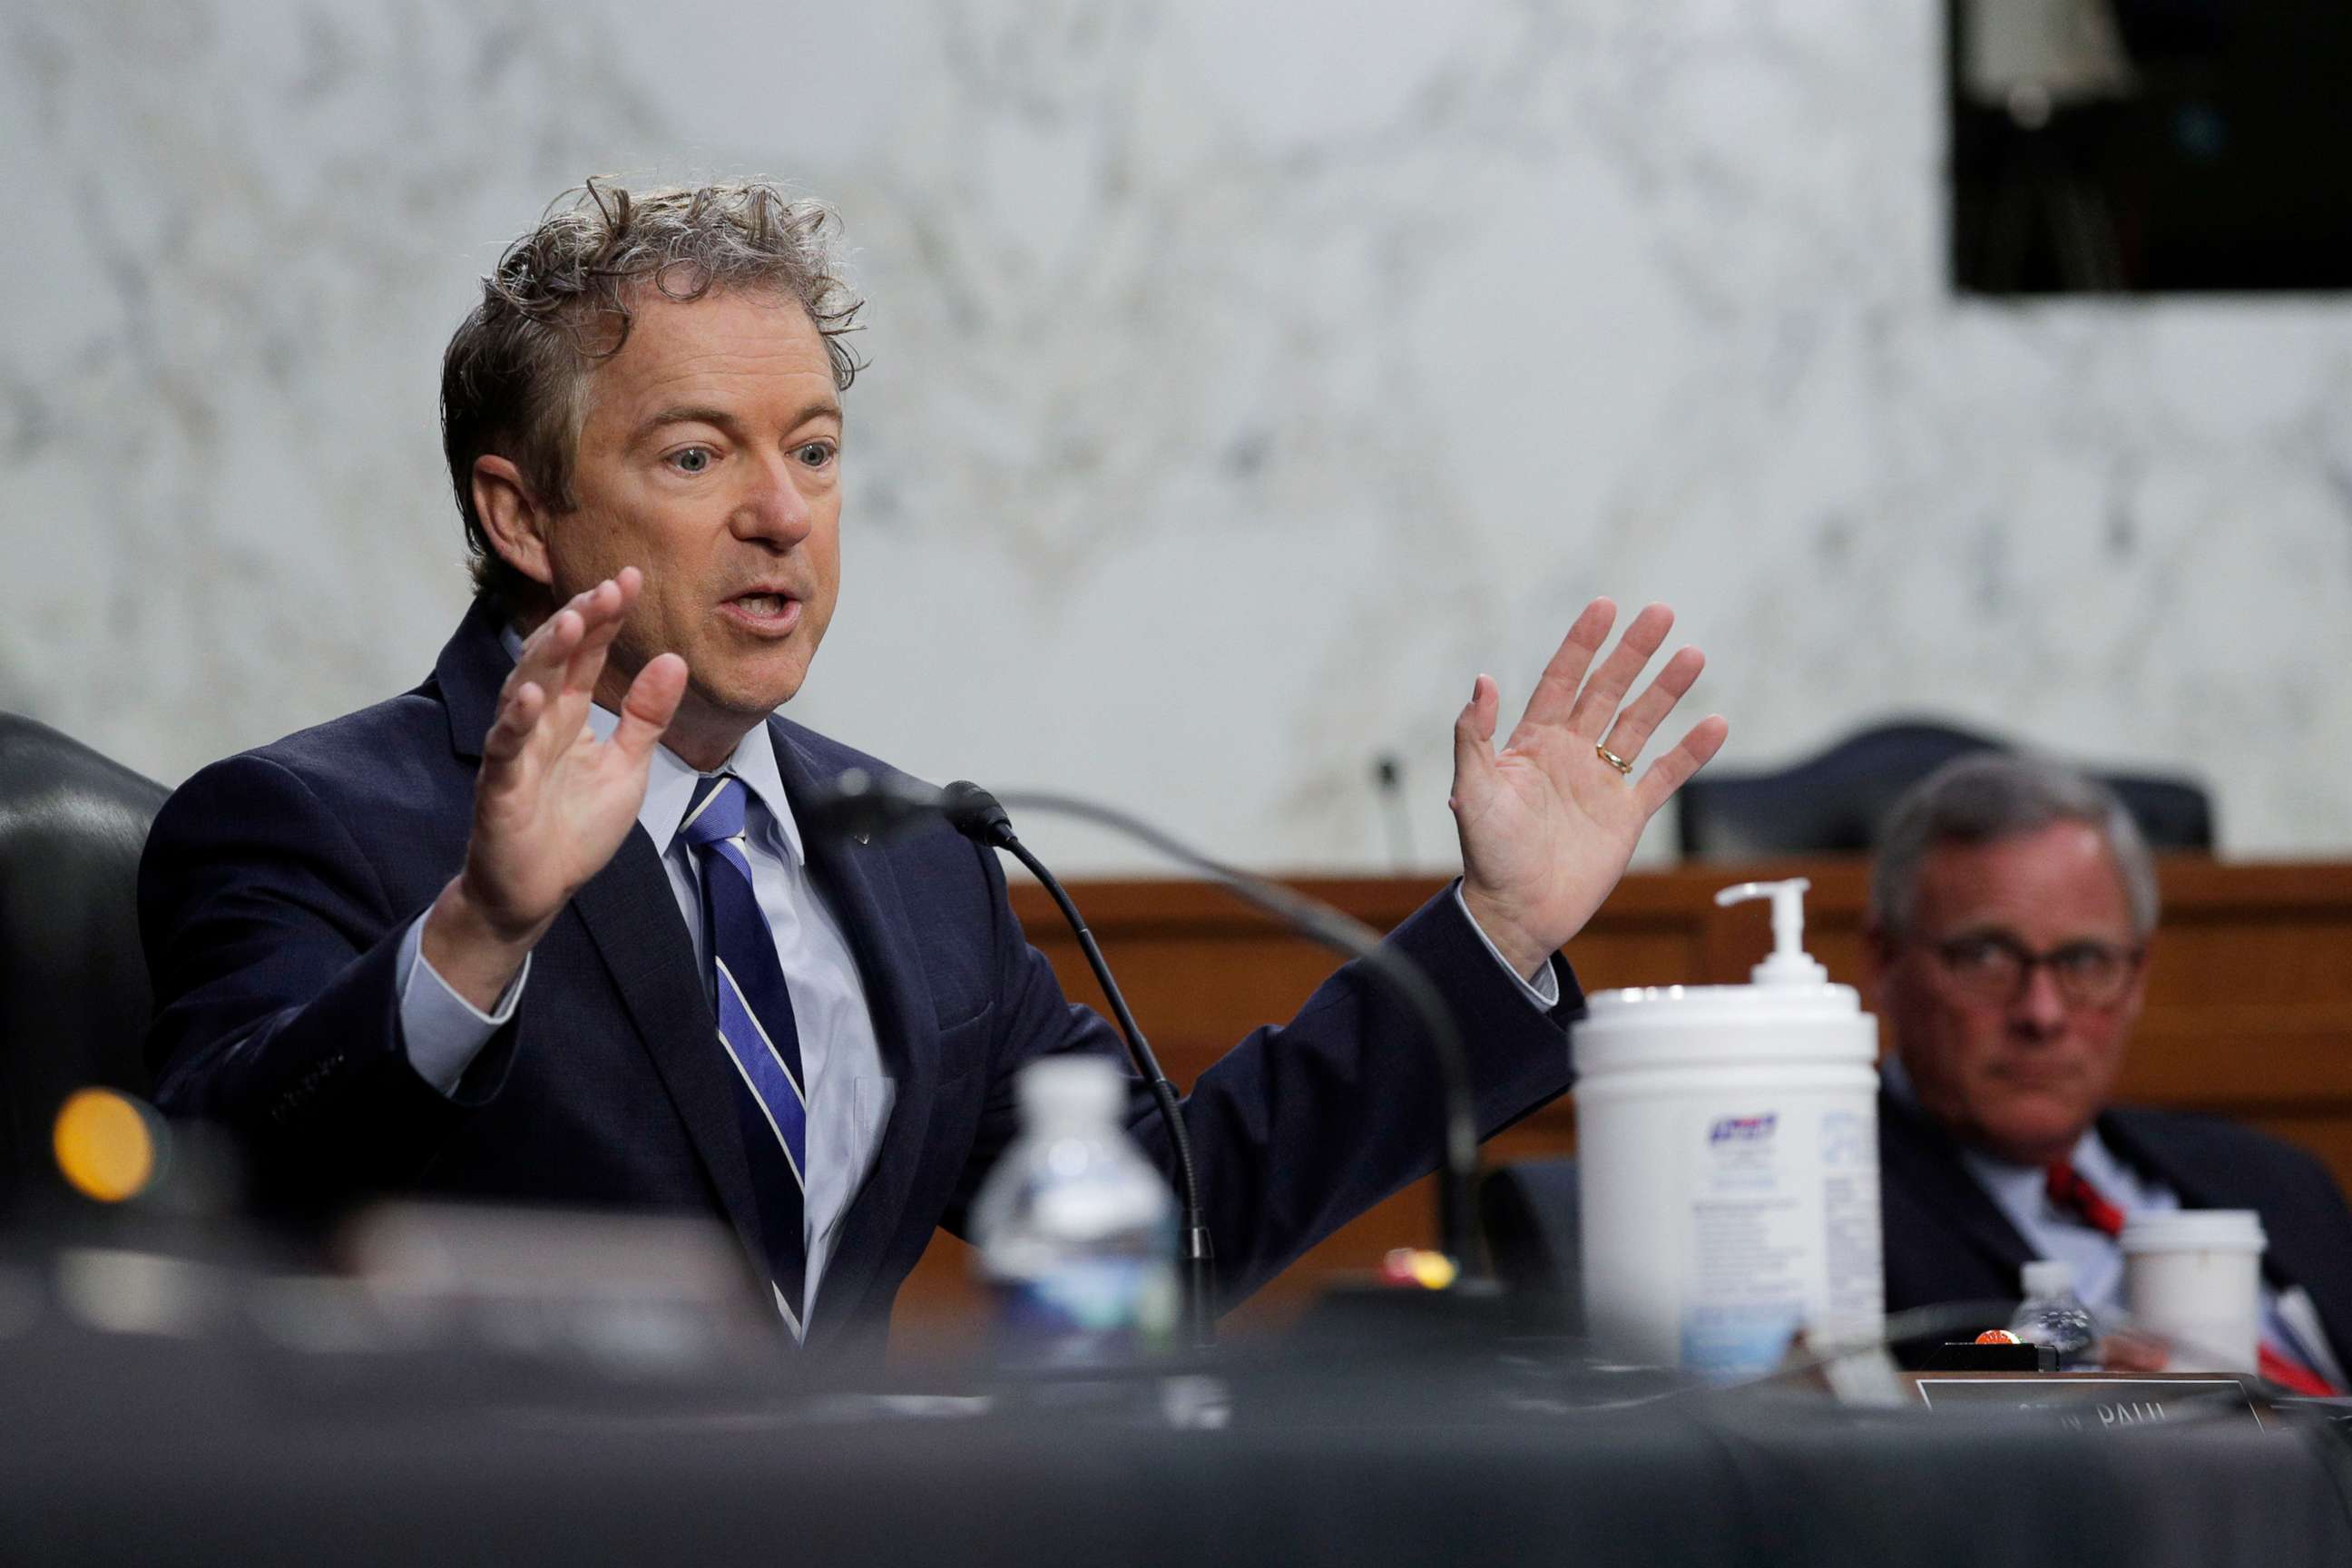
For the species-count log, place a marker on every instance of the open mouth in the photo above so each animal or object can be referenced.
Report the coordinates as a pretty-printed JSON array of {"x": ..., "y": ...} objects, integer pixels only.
[{"x": 768, "y": 611}]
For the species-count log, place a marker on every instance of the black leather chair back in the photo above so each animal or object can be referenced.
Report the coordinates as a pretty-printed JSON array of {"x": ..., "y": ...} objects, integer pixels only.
[
  {"x": 1833, "y": 803},
  {"x": 74, "y": 997}
]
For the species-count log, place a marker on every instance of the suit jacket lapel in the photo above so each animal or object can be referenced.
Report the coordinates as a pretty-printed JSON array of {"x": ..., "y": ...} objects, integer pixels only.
[
  {"x": 2198, "y": 1183},
  {"x": 1922, "y": 1157},
  {"x": 873, "y": 915},
  {"x": 2149, "y": 1156},
  {"x": 631, "y": 917}
]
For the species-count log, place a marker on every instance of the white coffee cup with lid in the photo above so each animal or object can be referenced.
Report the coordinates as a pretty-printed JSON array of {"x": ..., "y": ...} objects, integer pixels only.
[{"x": 2195, "y": 1276}]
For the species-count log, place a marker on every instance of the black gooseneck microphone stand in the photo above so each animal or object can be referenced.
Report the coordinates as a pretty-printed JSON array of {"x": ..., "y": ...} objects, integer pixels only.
[
  {"x": 858, "y": 802},
  {"x": 975, "y": 812},
  {"x": 1351, "y": 938}
]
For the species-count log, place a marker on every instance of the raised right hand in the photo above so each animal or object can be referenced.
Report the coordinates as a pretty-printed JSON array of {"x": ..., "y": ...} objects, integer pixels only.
[{"x": 551, "y": 802}]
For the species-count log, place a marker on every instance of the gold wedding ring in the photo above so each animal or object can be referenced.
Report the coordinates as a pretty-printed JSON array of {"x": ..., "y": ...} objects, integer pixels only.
[{"x": 1613, "y": 759}]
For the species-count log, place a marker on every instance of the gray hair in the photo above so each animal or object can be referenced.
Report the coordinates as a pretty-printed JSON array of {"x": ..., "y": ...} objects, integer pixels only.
[
  {"x": 1989, "y": 796},
  {"x": 514, "y": 380}
]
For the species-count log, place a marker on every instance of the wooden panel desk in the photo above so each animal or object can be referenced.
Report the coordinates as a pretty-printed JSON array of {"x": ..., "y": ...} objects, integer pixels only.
[{"x": 2248, "y": 1012}]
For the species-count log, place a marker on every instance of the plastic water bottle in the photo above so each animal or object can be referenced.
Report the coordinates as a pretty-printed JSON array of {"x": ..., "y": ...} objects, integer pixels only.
[
  {"x": 2053, "y": 1315},
  {"x": 1077, "y": 1229}
]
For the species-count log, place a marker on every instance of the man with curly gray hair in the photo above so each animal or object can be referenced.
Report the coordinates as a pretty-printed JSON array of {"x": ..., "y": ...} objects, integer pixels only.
[
  {"x": 546, "y": 929},
  {"x": 562, "y": 300}
]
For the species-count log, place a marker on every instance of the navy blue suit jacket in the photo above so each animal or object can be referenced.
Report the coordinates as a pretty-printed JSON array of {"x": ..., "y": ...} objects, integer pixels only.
[{"x": 276, "y": 886}]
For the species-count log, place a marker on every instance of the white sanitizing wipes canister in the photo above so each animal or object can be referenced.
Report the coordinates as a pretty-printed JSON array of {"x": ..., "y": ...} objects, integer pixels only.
[{"x": 1728, "y": 1153}]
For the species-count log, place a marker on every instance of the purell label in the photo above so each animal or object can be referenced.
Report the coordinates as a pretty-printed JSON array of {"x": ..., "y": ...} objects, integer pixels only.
[
  {"x": 1741, "y": 1129},
  {"x": 1783, "y": 1229}
]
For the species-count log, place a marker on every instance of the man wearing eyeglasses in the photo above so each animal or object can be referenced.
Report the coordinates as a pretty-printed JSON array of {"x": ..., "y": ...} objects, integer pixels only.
[{"x": 2013, "y": 903}]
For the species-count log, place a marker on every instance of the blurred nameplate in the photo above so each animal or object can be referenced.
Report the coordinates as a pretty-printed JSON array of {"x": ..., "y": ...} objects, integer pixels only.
[
  {"x": 638, "y": 1291},
  {"x": 2095, "y": 1401}
]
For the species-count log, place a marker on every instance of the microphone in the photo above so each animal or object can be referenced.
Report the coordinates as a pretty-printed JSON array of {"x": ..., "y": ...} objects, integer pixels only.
[
  {"x": 858, "y": 805},
  {"x": 861, "y": 804},
  {"x": 894, "y": 804},
  {"x": 1388, "y": 778},
  {"x": 973, "y": 812}
]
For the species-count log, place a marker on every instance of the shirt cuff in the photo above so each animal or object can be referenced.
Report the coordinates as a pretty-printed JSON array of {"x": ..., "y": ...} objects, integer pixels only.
[
  {"x": 444, "y": 1032},
  {"x": 1542, "y": 991}
]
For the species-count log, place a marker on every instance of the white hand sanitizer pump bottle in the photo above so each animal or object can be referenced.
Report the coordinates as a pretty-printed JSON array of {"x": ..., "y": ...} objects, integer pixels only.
[{"x": 1728, "y": 1146}]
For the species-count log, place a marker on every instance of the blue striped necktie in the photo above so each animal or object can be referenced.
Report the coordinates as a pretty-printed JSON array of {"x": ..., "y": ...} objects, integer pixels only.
[{"x": 756, "y": 1030}]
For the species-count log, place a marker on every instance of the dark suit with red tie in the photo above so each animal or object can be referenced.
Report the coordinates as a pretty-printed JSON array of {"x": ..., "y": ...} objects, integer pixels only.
[{"x": 1948, "y": 1241}]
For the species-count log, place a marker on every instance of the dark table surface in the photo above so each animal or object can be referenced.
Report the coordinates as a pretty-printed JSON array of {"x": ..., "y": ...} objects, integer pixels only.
[{"x": 217, "y": 1447}]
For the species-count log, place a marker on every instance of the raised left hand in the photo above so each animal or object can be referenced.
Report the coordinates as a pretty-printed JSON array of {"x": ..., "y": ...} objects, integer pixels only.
[{"x": 1547, "y": 824}]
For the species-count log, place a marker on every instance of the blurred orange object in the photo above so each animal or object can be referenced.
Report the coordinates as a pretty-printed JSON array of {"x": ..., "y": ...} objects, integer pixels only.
[
  {"x": 105, "y": 1145},
  {"x": 1418, "y": 1266},
  {"x": 1998, "y": 1336}
]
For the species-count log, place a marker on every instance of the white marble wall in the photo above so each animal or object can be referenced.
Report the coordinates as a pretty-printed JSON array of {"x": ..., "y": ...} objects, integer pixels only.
[{"x": 1246, "y": 377}]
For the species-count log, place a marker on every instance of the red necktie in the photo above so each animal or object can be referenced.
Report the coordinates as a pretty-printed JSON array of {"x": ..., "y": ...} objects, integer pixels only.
[{"x": 2071, "y": 1193}]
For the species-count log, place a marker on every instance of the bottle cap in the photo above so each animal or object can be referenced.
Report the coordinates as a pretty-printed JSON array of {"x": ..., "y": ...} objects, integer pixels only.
[
  {"x": 1071, "y": 1088},
  {"x": 1790, "y": 963},
  {"x": 2047, "y": 1277}
]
